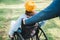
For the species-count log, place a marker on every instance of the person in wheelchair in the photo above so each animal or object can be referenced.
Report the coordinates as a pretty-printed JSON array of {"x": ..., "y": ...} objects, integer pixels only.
[{"x": 30, "y": 7}]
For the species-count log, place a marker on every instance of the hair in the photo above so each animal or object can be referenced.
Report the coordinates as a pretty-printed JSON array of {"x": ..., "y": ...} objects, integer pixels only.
[{"x": 29, "y": 13}]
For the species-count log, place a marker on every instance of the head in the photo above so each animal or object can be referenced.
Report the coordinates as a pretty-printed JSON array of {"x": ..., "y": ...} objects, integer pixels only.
[{"x": 30, "y": 8}]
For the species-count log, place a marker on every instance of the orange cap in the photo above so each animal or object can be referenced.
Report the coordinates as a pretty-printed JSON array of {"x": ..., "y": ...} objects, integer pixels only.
[{"x": 30, "y": 5}]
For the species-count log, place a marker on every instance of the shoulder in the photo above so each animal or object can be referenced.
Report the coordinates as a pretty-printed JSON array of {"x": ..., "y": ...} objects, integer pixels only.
[{"x": 23, "y": 16}]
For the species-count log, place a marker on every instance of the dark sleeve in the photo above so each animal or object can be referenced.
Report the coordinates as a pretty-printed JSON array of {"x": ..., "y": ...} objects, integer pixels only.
[{"x": 50, "y": 12}]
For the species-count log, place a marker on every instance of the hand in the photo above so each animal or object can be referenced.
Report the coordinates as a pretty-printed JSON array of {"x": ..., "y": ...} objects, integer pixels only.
[
  {"x": 11, "y": 36},
  {"x": 36, "y": 24},
  {"x": 23, "y": 23}
]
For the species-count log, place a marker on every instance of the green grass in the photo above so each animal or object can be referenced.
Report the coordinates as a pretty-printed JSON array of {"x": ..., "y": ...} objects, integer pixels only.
[
  {"x": 9, "y": 2},
  {"x": 51, "y": 29},
  {"x": 0, "y": 38},
  {"x": 6, "y": 15}
]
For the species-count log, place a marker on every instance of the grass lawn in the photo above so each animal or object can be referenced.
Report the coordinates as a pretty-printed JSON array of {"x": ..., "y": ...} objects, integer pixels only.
[
  {"x": 51, "y": 28},
  {"x": 6, "y": 15},
  {"x": 10, "y": 2}
]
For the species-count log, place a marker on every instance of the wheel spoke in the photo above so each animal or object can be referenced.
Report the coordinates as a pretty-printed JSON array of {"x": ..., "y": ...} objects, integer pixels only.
[{"x": 40, "y": 34}]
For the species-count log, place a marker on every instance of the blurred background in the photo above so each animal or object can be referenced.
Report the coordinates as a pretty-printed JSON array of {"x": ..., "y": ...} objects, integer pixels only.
[{"x": 12, "y": 9}]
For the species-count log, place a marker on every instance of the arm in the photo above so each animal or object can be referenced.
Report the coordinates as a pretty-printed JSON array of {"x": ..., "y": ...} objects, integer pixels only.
[
  {"x": 16, "y": 25},
  {"x": 52, "y": 11}
]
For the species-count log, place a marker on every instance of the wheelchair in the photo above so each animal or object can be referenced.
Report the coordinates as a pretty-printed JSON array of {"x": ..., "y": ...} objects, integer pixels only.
[{"x": 39, "y": 35}]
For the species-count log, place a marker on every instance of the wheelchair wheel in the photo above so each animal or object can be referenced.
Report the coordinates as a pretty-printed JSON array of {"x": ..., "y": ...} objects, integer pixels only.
[
  {"x": 41, "y": 35},
  {"x": 17, "y": 36},
  {"x": 38, "y": 36}
]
